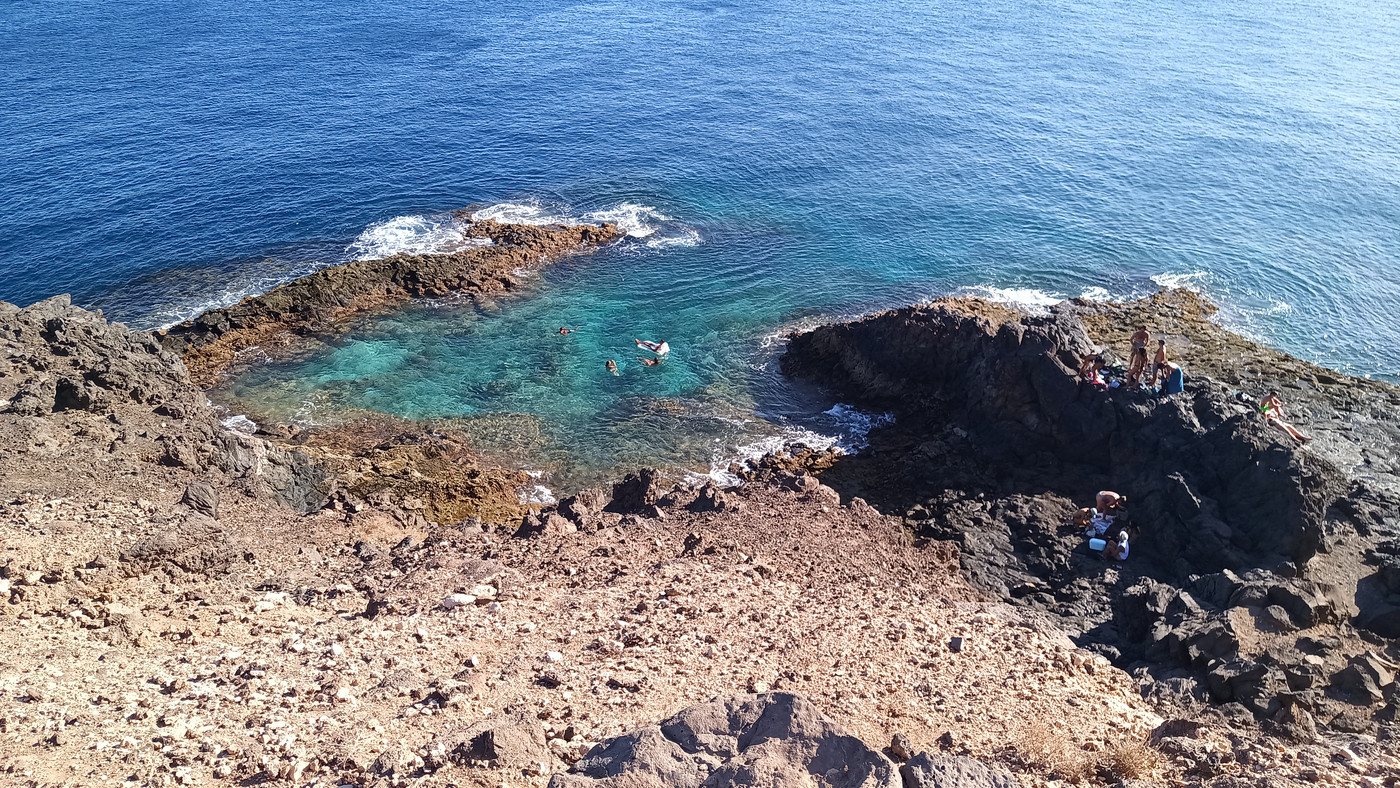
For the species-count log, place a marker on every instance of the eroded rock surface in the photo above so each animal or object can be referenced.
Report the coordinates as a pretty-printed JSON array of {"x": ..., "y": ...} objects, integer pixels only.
[
  {"x": 319, "y": 301},
  {"x": 776, "y": 740}
]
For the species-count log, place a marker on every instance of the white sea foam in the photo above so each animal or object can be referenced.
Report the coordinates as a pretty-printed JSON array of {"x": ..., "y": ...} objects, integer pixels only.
[
  {"x": 240, "y": 423},
  {"x": 412, "y": 234},
  {"x": 537, "y": 494},
  {"x": 1190, "y": 280},
  {"x": 1028, "y": 299},
  {"x": 643, "y": 223},
  {"x": 850, "y": 433},
  {"x": 1095, "y": 294}
]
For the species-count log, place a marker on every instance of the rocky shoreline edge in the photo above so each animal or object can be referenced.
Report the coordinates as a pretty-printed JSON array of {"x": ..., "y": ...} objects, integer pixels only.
[{"x": 190, "y": 605}]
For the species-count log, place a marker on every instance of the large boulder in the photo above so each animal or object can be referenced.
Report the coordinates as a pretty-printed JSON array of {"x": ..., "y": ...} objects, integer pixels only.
[
  {"x": 775, "y": 739},
  {"x": 935, "y": 771}
]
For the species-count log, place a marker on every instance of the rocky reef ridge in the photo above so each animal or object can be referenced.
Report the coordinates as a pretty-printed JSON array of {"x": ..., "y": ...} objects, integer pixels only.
[{"x": 1261, "y": 572}]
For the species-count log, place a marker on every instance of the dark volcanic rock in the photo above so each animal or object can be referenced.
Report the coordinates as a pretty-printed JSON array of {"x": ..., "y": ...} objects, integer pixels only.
[
  {"x": 996, "y": 443},
  {"x": 1210, "y": 482},
  {"x": 775, "y": 739},
  {"x": 194, "y": 544},
  {"x": 938, "y": 771}
]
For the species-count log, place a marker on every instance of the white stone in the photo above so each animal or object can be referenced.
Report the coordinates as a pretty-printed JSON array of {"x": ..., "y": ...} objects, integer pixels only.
[
  {"x": 553, "y": 656},
  {"x": 458, "y": 600}
]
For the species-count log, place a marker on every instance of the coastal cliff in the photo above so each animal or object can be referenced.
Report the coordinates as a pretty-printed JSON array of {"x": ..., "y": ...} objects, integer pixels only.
[
  {"x": 188, "y": 604},
  {"x": 1262, "y": 572}
]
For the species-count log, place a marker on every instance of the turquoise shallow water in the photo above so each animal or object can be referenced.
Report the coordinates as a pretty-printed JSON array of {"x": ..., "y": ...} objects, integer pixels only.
[{"x": 814, "y": 160}]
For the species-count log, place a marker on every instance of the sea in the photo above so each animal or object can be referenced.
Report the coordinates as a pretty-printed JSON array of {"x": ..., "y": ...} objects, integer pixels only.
[{"x": 774, "y": 165}]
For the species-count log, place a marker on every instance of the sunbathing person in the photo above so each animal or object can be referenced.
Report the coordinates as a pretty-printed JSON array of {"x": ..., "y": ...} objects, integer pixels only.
[{"x": 1272, "y": 409}]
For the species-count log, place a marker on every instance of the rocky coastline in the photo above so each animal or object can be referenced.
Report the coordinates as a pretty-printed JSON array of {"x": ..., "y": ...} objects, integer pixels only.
[
  {"x": 191, "y": 605},
  {"x": 325, "y": 299},
  {"x": 1263, "y": 573}
]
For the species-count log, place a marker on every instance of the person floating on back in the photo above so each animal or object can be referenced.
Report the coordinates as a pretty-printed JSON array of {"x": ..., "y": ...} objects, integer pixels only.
[
  {"x": 659, "y": 348},
  {"x": 1272, "y": 408},
  {"x": 651, "y": 362}
]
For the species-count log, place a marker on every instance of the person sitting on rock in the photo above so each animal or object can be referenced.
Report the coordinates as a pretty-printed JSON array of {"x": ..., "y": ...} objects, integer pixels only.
[
  {"x": 1091, "y": 366},
  {"x": 1117, "y": 550},
  {"x": 1272, "y": 409},
  {"x": 1083, "y": 517}
]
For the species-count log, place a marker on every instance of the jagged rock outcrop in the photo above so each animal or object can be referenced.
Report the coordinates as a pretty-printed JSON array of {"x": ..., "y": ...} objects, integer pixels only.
[
  {"x": 1211, "y": 484},
  {"x": 997, "y": 443},
  {"x": 775, "y": 739},
  {"x": 319, "y": 300},
  {"x": 73, "y": 385}
]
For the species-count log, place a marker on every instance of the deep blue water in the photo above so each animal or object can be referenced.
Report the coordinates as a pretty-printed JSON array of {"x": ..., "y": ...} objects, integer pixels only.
[{"x": 813, "y": 161}]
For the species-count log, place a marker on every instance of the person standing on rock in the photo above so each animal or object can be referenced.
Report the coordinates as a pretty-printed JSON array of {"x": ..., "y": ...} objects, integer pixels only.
[
  {"x": 1159, "y": 360},
  {"x": 1272, "y": 408},
  {"x": 1138, "y": 362}
]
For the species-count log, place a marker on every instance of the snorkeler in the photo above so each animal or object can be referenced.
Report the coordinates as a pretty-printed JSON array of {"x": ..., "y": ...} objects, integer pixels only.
[
  {"x": 611, "y": 366},
  {"x": 659, "y": 348}
]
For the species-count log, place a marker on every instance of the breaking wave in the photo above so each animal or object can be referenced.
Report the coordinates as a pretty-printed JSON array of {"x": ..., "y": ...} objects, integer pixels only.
[
  {"x": 412, "y": 234},
  {"x": 642, "y": 224}
]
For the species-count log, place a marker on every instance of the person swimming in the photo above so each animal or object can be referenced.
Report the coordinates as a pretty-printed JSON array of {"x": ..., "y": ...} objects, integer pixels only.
[
  {"x": 567, "y": 331},
  {"x": 659, "y": 348},
  {"x": 650, "y": 362},
  {"x": 611, "y": 366}
]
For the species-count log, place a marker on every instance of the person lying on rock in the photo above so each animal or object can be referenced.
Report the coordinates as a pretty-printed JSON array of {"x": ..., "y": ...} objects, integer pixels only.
[{"x": 1272, "y": 408}]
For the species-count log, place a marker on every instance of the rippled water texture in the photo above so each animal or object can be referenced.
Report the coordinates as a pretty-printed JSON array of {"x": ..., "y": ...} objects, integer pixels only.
[{"x": 812, "y": 161}]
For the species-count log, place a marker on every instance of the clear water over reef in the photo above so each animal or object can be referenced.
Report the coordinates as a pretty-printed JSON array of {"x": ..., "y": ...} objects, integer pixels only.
[{"x": 775, "y": 164}]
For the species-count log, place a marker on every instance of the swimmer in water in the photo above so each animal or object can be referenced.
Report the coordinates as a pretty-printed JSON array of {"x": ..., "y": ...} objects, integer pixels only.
[
  {"x": 659, "y": 348},
  {"x": 567, "y": 331},
  {"x": 611, "y": 366},
  {"x": 650, "y": 362}
]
